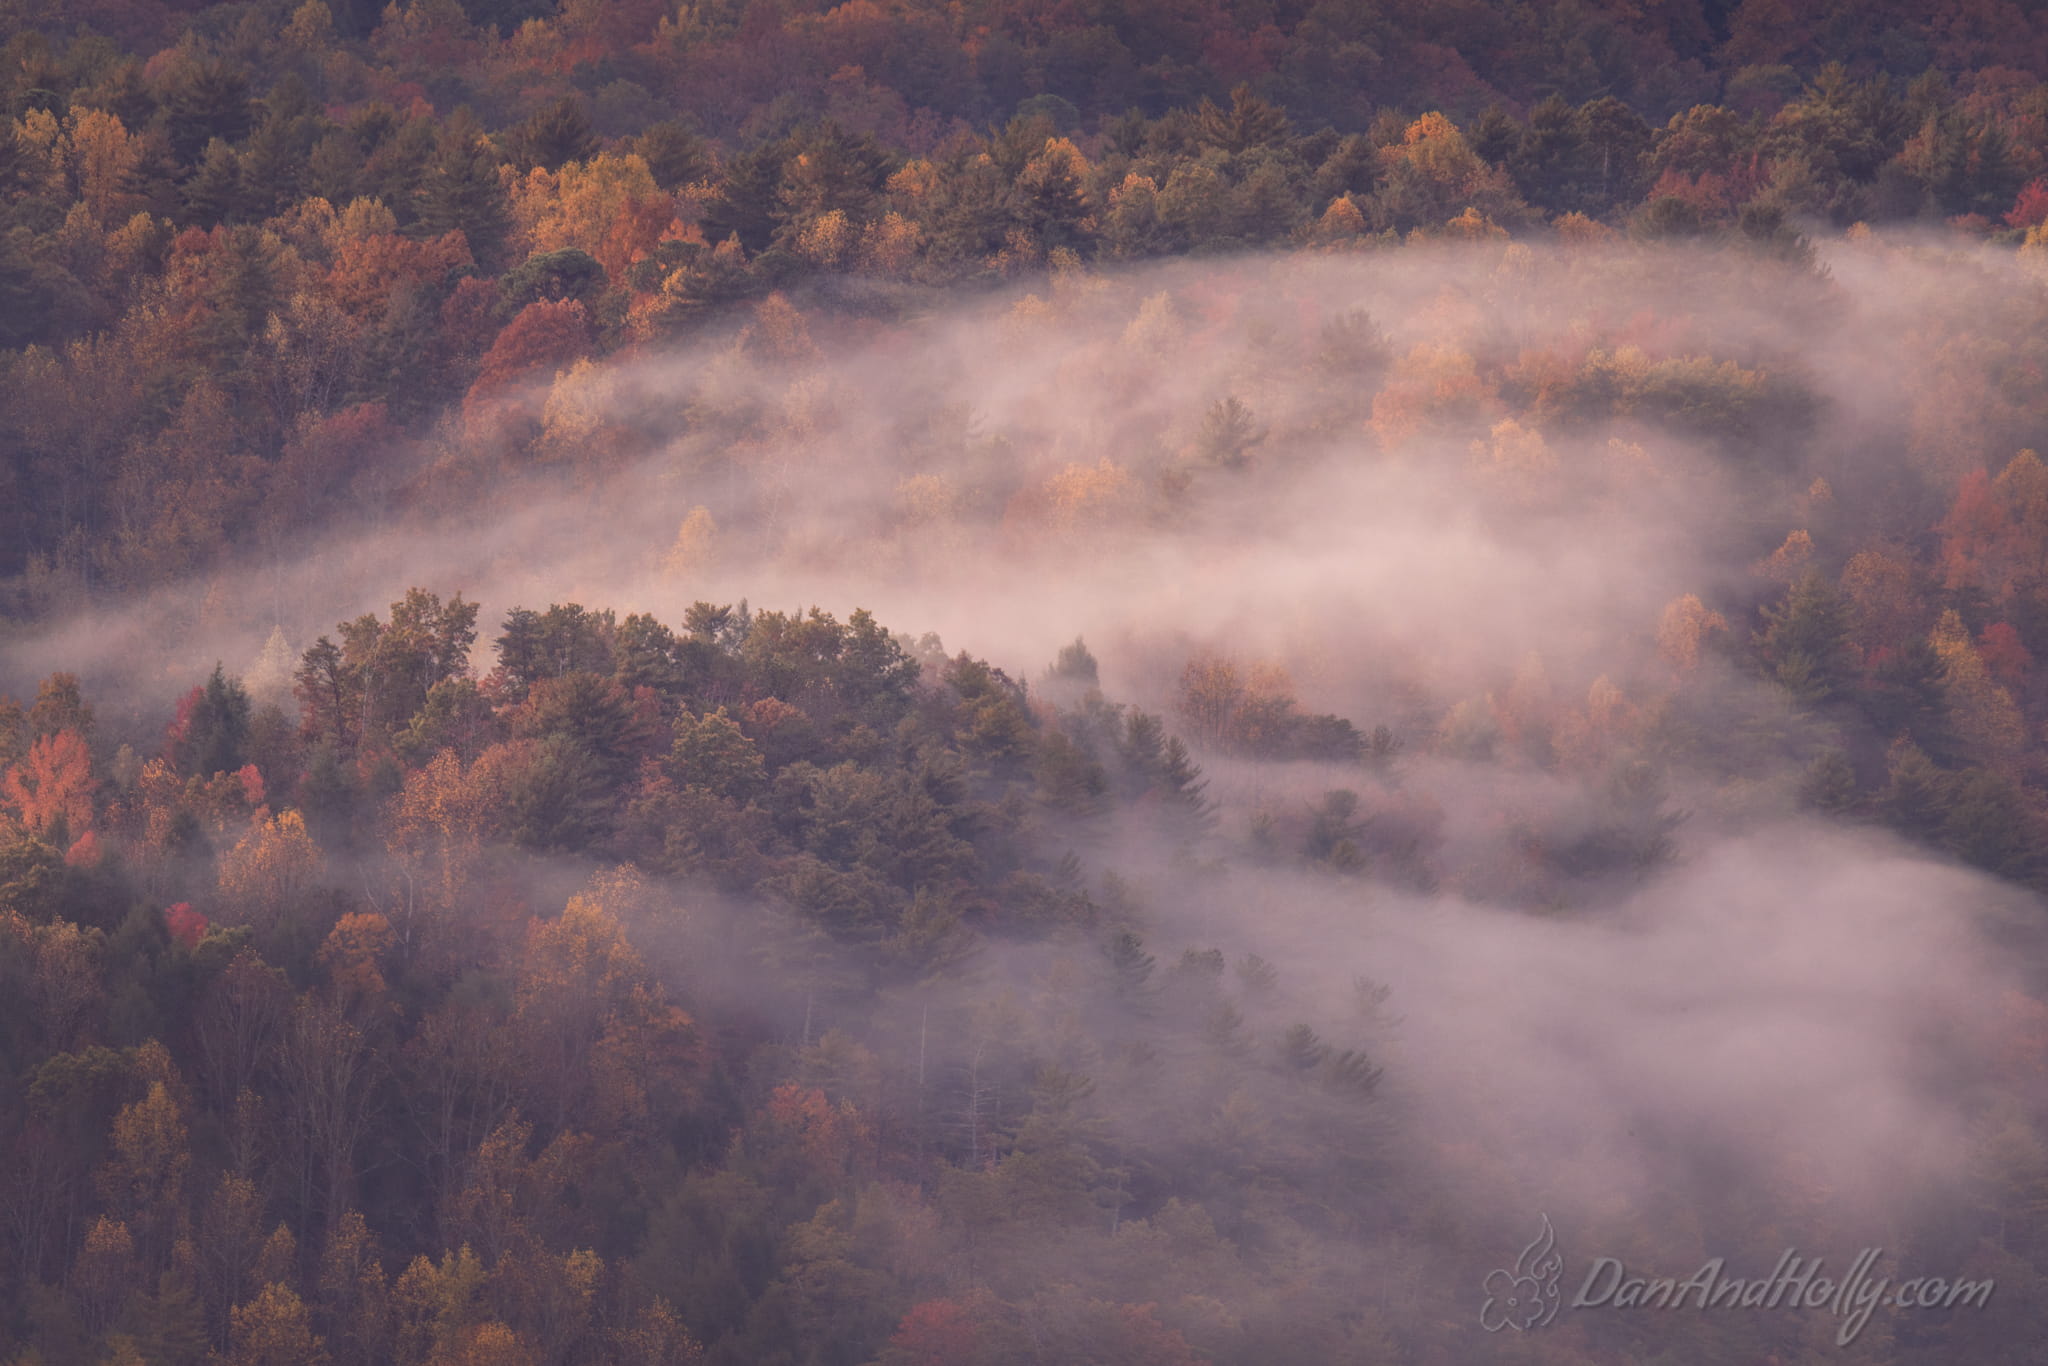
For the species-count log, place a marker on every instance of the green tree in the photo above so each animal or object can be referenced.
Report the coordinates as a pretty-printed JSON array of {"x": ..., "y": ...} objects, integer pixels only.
[
  {"x": 216, "y": 192},
  {"x": 458, "y": 190},
  {"x": 1830, "y": 783},
  {"x": 1804, "y": 640},
  {"x": 1916, "y": 795},
  {"x": 826, "y": 169},
  {"x": 746, "y": 204},
  {"x": 567, "y": 638},
  {"x": 1074, "y": 665},
  {"x": 1250, "y": 122},
  {"x": 712, "y": 752},
  {"x": 216, "y": 733},
  {"x": 593, "y": 713},
  {"x": 368, "y": 688},
  {"x": 552, "y": 275},
  {"x": 554, "y": 794},
  {"x": 1989, "y": 823},
  {"x": 207, "y": 101},
  {"x": 552, "y": 136},
  {"x": 1228, "y": 434},
  {"x": 274, "y": 162},
  {"x": 674, "y": 154},
  {"x": 1130, "y": 969}
]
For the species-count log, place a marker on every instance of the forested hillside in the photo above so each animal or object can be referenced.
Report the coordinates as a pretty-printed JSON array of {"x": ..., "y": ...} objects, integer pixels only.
[
  {"x": 247, "y": 252},
  {"x": 896, "y": 685}
]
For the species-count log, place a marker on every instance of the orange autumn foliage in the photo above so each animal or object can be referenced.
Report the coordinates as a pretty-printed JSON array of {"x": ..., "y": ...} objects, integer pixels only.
[{"x": 52, "y": 788}]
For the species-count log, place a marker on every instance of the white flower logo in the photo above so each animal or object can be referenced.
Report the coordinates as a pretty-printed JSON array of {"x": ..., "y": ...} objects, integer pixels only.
[{"x": 1527, "y": 1296}]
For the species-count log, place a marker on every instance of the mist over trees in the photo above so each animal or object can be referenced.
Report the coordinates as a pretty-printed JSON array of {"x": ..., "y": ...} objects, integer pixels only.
[
  {"x": 888, "y": 685},
  {"x": 250, "y": 258}
]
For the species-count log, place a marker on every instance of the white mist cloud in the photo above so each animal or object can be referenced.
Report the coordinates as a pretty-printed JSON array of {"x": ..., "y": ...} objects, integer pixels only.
[{"x": 1788, "y": 1000}]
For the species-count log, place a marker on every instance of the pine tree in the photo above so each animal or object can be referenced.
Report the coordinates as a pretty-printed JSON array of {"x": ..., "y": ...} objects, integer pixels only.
[
  {"x": 1257, "y": 976},
  {"x": 554, "y": 135},
  {"x": 1905, "y": 697},
  {"x": 14, "y": 163},
  {"x": 1050, "y": 197},
  {"x": 1302, "y": 1049},
  {"x": 23, "y": 293},
  {"x": 1987, "y": 823},
  {"x": 216, "y": 193},
  {"x": 1805, "y": 640},
  {"x": 210, "y": 101},
  {"x": 216, "y": 738},
  {"x": 1612, "y": 140},
  {"x": 274, "y": 163},
  {"x": 1830, "y": 783},
  {"x": 1228, "y": 434},
  {"x": 1250, "y": 122},
  {"x": 1352, "y": 1072},
  {"x": 1334, "y": 830},
  {"x": 1131, "y": 968},
  {"x": 1074, "y": 665},
  {"x": 460, "y": 191},
  {"x": 675, "y": 156},
  {"x": 1916, "y": 796}
]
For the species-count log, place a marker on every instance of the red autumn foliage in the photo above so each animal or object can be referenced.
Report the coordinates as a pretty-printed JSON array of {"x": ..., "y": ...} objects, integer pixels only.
[
  {"x": 84, "y": 851},
  {"x": 546, "y": 336},
  {"x": 368, "y": 271},
  {"x": 1145, "y": 1341},
  {"x": 1971, "y": 533},
  {"x": 54, "y": 783},
  {"x": 831, "y": 1138},
  {"x": 469, "y": 318},
  {"x": 935, "y": 1333},
  {"x": 180, "y": 728},
  {"x": 321, "y": 459},
  {"x": 185, "y": 925},
  {"x": 2030, "y": 207},
  {"x": 2004, "y": 655}
]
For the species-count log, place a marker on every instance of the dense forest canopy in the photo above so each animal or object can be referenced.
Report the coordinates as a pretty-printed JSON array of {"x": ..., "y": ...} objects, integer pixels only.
[
  {"x": 247, "y": 253},
  {"x": 910, "y": 685}
]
